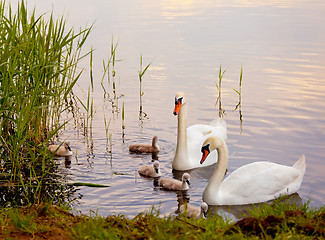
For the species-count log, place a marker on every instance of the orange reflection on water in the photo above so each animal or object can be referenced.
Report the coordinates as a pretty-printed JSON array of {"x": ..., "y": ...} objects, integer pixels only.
[{"x": 171, "y": 9}]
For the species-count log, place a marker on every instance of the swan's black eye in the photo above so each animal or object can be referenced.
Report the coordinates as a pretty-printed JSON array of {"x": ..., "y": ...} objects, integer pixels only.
[
  {"x": 178, "y": 100},
  {"x": 205, "y": 148}
]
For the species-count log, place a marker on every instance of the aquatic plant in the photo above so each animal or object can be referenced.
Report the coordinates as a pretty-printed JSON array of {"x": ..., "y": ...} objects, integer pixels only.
[
  {"x": 238, "y": 106},
  {"x": 123, "y": 123},
  {"x": 141, "y": 72},
  {"x": 38, "y": 65},
  {"x": 218, "y": 85},
  {"x": 240, "y": 82},
  {"x": 106, "y": 65}
]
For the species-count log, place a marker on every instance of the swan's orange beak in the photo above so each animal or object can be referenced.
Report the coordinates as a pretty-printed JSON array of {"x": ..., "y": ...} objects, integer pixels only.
[
  {"x": 204, "y": 156},
  {"x": 178, "y": 105},
  {"x": 205, "y": 152}
]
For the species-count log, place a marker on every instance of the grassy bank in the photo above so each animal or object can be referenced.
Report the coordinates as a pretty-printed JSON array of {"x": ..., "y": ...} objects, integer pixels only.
[{"x": 275, "y": 221}]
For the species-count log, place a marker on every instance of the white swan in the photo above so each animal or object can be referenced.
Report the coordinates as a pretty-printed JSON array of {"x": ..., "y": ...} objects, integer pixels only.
[
  {"x": 145, "y": 148},
  {"x": 193, "y": 211},
  {"x": 61, "y": 151},
  {"x": 174, "y": 184},
  {"x": 152, "y": 170},
  {"x": 189, "y": 141},
  {"x": 252, "y": 183}
]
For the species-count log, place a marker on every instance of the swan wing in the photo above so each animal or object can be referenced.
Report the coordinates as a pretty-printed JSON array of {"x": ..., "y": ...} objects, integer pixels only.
[
  {"x": 197, "y": 134},
  {"x": 259, "y": 182}
]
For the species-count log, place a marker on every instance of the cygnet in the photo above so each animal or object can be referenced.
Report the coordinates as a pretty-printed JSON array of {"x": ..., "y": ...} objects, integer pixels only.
[
  {"x": 152, "y": 170},
  {"x": 174, "y": 184},
  {"x": 145, "y": 148},
  {"x": 194, "y": 211},
  {"x": 61, "y": 151}
]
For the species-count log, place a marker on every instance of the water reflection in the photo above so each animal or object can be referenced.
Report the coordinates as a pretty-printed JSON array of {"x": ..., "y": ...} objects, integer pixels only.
[
  {"x": 67, "y": 162},
  {"x": 171, "y": 9},
  {"x": 154, "y": 155},
  {"x": 26, "y": 190}
]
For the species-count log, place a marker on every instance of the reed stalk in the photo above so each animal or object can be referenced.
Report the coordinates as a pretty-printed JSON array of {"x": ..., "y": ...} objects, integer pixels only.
[
  {"x": 123, "y": 123},
  {"x": 106, "y": 66},
  {"x": 38, "y": 63},
  {"x": 141, "y": 72},
  {"x": 239, "y": 106},
  {"x": 123, "y": 113},
  {"x": 218, "y": 85}
]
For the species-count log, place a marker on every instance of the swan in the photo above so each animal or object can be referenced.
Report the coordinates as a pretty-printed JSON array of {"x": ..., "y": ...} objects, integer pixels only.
[
  {"x": 252, "y": 183},
  {"x": 61, "y": 151},
  {"x": 145, "y": 148},
  {"x": 193, "y": 211},
  {"x": 152, "y": 170},
  {"x": 174, "y": 184},
  {"x": 189, "y": 141}
]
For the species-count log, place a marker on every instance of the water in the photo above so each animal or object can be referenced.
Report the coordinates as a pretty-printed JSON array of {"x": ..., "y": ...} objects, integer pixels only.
[{"x": 279, "y": 44}]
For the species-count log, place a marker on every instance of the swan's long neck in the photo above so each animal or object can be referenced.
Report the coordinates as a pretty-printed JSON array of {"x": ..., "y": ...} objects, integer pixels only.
[
  {"x": 154, "y": 142},
  {"x": 181, "y": 154},
  {"x": 219, "y": 173}
]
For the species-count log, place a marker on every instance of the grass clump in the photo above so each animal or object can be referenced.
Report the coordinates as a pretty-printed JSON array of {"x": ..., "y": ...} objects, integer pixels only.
[
  {"x": 38, "y": 63},
  {"x": 281, "y": 220}
]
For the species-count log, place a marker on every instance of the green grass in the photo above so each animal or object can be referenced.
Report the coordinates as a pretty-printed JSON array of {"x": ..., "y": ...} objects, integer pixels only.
[
  {"x": 271, "y": 221},
  {"x": 38, "y": 63}
]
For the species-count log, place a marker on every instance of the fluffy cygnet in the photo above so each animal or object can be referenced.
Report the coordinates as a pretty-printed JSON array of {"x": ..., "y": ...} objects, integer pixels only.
[
  {"x": 145, "y": 148},
  {"x": 152, "y": 170},
  {"x": 193, "y": 211},
  {"x": 174, "y": 184},
  {"x": 61, "y": 151}
]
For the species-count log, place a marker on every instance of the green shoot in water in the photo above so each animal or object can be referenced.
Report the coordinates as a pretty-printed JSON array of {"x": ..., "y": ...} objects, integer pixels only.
[
  {"x": 106, "y": 66},
  {"x": 141, "y": 93},
  {"x": 238, "y": 106},
  {"x": 218, "y": 85}
]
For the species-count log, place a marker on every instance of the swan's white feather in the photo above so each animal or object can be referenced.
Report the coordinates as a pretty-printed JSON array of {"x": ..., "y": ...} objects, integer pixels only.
[
  {"x": 197, "y": 134},
  {"x": 190, "y": 140},
  {"x": 259, "y": 182},
  {"x": 252, "y": 183}
]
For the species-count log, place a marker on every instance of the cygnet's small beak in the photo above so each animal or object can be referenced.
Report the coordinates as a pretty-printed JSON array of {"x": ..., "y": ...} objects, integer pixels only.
[{"x": 205, "y": 214}]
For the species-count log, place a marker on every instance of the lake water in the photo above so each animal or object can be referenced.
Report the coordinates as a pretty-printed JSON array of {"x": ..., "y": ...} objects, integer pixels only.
[{"x": 279, "y": 44}]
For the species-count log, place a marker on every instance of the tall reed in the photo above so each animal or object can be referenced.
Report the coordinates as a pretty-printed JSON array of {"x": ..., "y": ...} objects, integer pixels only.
[
  {"x": 141, "y": 72},
  {"x": 106, "y": 65},
  {"x": 218, "y": 85},
  {"x": 38, "y": 63},
  {"x": 238, "y": 106}
]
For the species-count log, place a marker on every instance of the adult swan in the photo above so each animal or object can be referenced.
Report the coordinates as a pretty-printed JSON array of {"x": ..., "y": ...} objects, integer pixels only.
[
  {"x": 190, "y": 140},
  {"x": 251, "y": 183}
]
